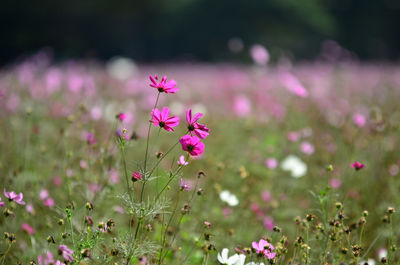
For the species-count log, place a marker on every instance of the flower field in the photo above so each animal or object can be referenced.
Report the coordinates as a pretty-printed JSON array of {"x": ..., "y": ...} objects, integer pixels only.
[{"x": 199, "y": 163}]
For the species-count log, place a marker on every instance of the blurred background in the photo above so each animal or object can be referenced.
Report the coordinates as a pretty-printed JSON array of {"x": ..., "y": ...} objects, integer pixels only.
[{"x": 200, "y": 30}]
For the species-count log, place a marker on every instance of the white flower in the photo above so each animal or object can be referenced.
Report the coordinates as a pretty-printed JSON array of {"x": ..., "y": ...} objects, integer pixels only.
[
  {"x": 229, "y": 198},
  {"x": 382, "y": 253},
  {"x": 233, "y": 260},
  {"x": 296, "y": 167},
  {"x": 369, "y": 261}
]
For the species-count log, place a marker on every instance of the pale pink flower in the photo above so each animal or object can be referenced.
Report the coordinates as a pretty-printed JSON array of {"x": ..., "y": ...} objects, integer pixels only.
[
  {"x": 271, "y": 163},
  {"x": 357, "y": 165},
  {"x": 114, "y": 177},
  {"x": 30, "y": 209},
  {"x": 259, "y": 54},
  {"x": 46, "y": 260},
  {"x": 29, "y": 229},
  {"x": 192, "y": 145},
  {"x": 335, "y": 183},
  {"x": 57, "y": 181},
  {"x": 12, "y": 196},
  {"x": 307, "y": 148},
  {"x": 266, "y": 196},
  {"x": 1, "y": 203},
  {"x": 293, "y": 136},
  {"x": 162, "y": 119},
  {"x": 43, "y": 194},
  {"x": 49, "y": 202},
  {"x": 83, "y": 164},
  {"x": 194, "y": 127},
  {"x": 269, "y": 223},
  {"x": 264, "y": 248},
  {"x": 66, "y": 253},
  {"x": 359, "y": 120},
  {"x": 96, "y": 113},
  {"x": 184, "y": 185},
  {"x": 242, "y": 106},
  {"x": 163, "y": 85},
  {"x": 294, "y": 85},
  {"x": 182, "y": 161},
  {"x": 119, "y": 209},
  {"x": 226, "y": 211},
  {"x": 94, "y": 187}
]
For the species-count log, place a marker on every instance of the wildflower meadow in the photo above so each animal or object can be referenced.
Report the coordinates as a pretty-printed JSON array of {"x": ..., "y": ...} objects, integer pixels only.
[{"x": 191, "y": 163}]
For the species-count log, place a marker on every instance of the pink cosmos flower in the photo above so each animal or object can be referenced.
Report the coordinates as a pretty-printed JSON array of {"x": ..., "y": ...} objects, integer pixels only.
[
  {"x": 49, "y": 202},
  {"x": 46, "y": 260},
  {"x": 357, "y": 165},
  {"x": 271, "y": 163},
  {"x": 184, "y": 185},
  {"x": 182, "y": 161},
  {"x": 12, "y": 196},
  {"x": 1, "y": 203},
  {"x": 43, "y": 194},
  {"x": 359, "y": 120},
  {"x": 162, "y": 120},
  {"x": 264, "y": 248},
  {"x": 136, "y": 176},
  {"x": 90, "y": 138},
  {"x": 163, "y": 85},
  {"x": 259, "y": 54},
  {"x": 200, "y": 130},
  {"x": 57, "y": 181},
  {"x": 114, "y": 177},
  {"x": 293, "y": 136},
  {"x": 266, "y": 196},
  {"x": 192, "y": 145},
  {"x": 307, "y": 148},
  {"x": 30, "y": 209},
  {"x": 335, "y": 183},
  {"x": 66, "y": 253},
  {"x": 269, "y": 223},
  {"x": 121, "y": 116},
  {"x": 29, "y": 229}
]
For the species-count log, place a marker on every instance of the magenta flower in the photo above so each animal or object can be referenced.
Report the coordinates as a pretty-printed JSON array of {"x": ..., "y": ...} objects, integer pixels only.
[
  {"x": 136, "y": 176},
  {"x": 90, "y": 138},
  {"x": 184, "y": 185},
  {"x": 1, "y": 203},
  {"x": 12, "y": 196},
  {"x": 66, "y": 253},
  {"x": 182, "y": 161},
  {"x": 162, "y": 120},
  {"x": 264, "y": 248},
  {"x": 29, "y": 229},
  {"x": 192, "y": 145},
  {"x": 357, "y": 165},
  {"x": 200, "y": 130},
  {"x": 121, "y": 116},
  {"x": 163, "y": 85}
]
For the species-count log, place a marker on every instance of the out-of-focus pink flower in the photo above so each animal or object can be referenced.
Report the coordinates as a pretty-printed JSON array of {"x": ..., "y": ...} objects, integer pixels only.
[
  {"x": 90, "y": 138},
  {"x": 29, "y": 229},
  {"x": 294, "y": 85},
  {"x": 30, "y": 209},
  {"x": 184, "y": 185},
  {"x": 192, "y": 145},
  {"x": 307, "y": 148},
  {"x": 264, "y": 248},
  {"x": 43, "y": 194},
  {"x": 357, "y": 165},
  {"x": 199, "y": 129},
  {"x": 66, "y": 253},
  {"x": 269, "y": 223},
  {"x": 256, "y": 209},
  {"x": 162, "y": 119},
  {"x": 121, "y": 116},
  {"x": 182, "y": 161},
  {"x": 49, "y": 202},
  {"x": 266, "y": 196},
  {"x": 143, "y": 260},
  {"x": 57, "y": 181},
  {"x": 359, "y": 120},
  {"x": 96, "y": 113},
  {"x": 353, "y": 194},
  {"x": 12, "y": 196},
  {"x": 69, "y": 172},
  {"x": 136, "y": 176},
  {"x": 394, "y": 170},
  {"x": 113, "y": 177},
  {"x": 271, "y": 163},
  {"x": 259, "y": 54},
  {"x": 335, "y": 183},
  {"x": 46, "y": 260},
  {"x": 226, "y": 211},
  {"x": 293, "y": 136},
  {"x": 83, "y": 164},
  {"x": 242, "y": 106},
  {"x": 163, "y": 85},
  {"x": 119, "y": 209},
  {"x": 1, "y": 203}
]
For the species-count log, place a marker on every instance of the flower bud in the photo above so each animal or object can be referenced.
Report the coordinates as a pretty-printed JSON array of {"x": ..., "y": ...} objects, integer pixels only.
[{"x": 89, "y": 206}]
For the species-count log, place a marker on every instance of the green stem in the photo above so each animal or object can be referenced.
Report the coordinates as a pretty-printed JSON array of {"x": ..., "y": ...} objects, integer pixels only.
[{"x": 148, "y": 135}]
